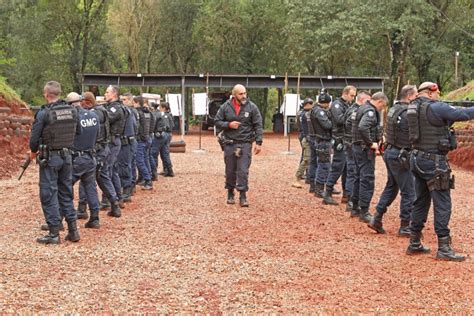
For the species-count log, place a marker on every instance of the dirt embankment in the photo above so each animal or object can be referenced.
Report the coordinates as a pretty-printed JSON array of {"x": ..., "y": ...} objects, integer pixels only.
[
  {"x": 15, "y": 127},
  {"x": 463, "y": 156}
]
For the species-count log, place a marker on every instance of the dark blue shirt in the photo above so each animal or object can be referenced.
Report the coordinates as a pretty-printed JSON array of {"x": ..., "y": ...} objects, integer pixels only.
[
  {"x": 442, "y": 114},
  {"x": 90, "y": 130}
]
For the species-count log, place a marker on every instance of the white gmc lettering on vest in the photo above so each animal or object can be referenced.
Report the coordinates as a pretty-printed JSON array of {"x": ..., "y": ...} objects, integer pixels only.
[{"x": 89, "y": 122}]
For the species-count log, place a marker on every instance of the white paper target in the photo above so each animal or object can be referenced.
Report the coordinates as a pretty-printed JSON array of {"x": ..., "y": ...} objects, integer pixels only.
[
  {"x": 200, "y": 104},
  {"x": 175, "y": 103},
  {"x": 290, "y": 105}
]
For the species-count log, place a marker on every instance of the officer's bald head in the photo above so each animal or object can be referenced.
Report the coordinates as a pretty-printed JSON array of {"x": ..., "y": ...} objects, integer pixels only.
[{"x": 239, "y": 93}]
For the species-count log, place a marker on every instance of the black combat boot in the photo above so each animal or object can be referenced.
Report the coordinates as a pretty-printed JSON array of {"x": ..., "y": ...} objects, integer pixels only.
[
  {"x": 115, "y": 211},
  {"x": 51, "y": 238},
  {"x": 127, "y": 194},
  {"x": 312, "y": 187},
  {"x": 445, "y": 252},
  {"x": 345, "y": 197},
  {"x": 355, "y": 210},
  {"x": 349, "y": 206},
  {"x": 45, "y": 227},
  {"x": 148, "y": 185},
  {"x": 121, "y": 202},
  {"x": 73, "y": 233},
  {"x": 319, "y": 190},
  {"x": 230, "y": 196},
  {"x": 364, "y": 215},
  {"x": 82, "y": 211},
  {"x": 165, "y": 171},
  {"x": 169, "y": 172},
  {"x": 327, "y": 199},
  {"x": 376, "y": 223},
  {"x": 104, "y": 204},
  {"x": 404, "y": 230},
  {"x": 243, "y": 199},
  {"x": 415, "y": 247},
  {"x": 154, "y": 176},
  {"x": 93, "y": 220}
]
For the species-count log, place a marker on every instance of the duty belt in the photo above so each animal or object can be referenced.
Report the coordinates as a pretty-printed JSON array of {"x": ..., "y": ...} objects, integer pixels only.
[
  {"x": 429, "y": 156},
  {"x": 390, "y": 146},
  {"x": 78, "y": 153},
  {"x": 60, "y": 152}
]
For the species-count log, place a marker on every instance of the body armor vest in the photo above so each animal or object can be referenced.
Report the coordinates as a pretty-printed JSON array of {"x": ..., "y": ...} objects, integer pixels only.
[
  {"x": 104, "y": 131},
  {"x": 338, "y": 130},
  {"x": 356, "y": 116},
  {"x": 145, "y": 120},
  {"x": 423, "y": 135},
  {"x": 348, "y": 122},
  {"x": 320, "y": 131},
  {"x": 61, "y": 122},
  {"x": 393, "y": 134},
  {"x": 118, "y": 127},
  {"x": 304, "y": 123},
  {"x": 309, "y": 123}
]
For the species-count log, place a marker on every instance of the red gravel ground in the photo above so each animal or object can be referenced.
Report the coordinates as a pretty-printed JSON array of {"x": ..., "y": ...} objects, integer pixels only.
[{"x": 180, "y": 248}]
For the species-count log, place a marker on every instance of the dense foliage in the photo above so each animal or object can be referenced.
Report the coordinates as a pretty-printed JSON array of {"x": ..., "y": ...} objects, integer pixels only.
[{"x": 403, "y": 40}]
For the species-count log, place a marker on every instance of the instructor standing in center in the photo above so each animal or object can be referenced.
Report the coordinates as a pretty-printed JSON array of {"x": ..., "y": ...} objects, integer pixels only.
[{"x": 241, "y": 125}]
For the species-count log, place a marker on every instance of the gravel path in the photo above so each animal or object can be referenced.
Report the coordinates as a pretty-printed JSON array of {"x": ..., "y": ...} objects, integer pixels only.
[{"x": 180, "y": 248}]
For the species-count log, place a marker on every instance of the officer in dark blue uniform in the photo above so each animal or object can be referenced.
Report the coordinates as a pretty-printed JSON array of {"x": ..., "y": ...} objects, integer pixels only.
[
  {"x": 432, "y": 137},
  {"x": 145, "y": 122},
  {"x": 397, "y": 160},
  {"x": 83, "y": 156},
  {"x": 304, "y": 136},
  {"x": 241, "y": 125},
  {"x": 116, "y": 114},
  {"x": 322, "y": 126},
  {"x": 365, "y": 138},
  {"x": 351, "y": 181},
  {"x": 52, "y": 137},
  {"x": 338, "y": 165},
  {"x": 162, "y": 139},
  {"x": 128, "y": 191},
  {"x": 124, "y": 159}
]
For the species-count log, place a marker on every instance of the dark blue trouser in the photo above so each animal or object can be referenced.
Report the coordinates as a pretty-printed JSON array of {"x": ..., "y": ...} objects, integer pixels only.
[
  {"x": 237, "y": 168},
  {"x": 84, "y": 169},
  {"x": 56, "y": 195},
  {"x": 106, "y": 171},
  {"x": 398, "y": 178},
  {"x": 100, "y": 157},
  {"x": 323, "y": 154},
  {"x": 424, "y": 170},
  {"x": 351, "y": 171},
  {"x": 313, "y": 162},
  {"x": 134, "y": 147},
  {"x": 365, "y": 171},
  {"x": 161, "y": 148},
  {"x": 141, "y": 163},
  {"x": 338, "y": 168},
  {"x": 124, "y": 165}
]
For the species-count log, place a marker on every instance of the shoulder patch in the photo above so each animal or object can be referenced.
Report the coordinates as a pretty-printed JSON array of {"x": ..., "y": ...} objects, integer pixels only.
[
  {"x": 337, "y": 105},
  {"x": 113, "y": 109},
  {"x": 371, "y": 113},
  {"x": 321, "y": 113}
]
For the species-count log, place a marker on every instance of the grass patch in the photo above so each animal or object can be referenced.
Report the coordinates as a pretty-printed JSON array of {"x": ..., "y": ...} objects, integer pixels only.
[{"x": 8, "y": 93}]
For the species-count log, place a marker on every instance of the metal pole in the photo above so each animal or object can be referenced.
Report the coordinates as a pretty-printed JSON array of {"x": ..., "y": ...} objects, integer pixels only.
[
  {"x": 183, "y": 111},
  {"x": 456, "y": 58}
]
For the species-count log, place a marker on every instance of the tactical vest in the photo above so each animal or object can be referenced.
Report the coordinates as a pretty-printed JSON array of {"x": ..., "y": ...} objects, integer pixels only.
[
  {"x": 137, "y": 120},
  {"x": 338, "y": 130},
  {"x": 145, "y": 120},
  {"x": 118, "y": 127},
  {"x": 304, "y": 123},
  {"x": 61, "y": 122},
  {"x": 393, "y": 134},
  {"x": 348, "y": 122},
  {"x": 356, "y": 116},
  {"x": 309, "y": 123},
  {"x": 320, "y": 131},
  {"x": 423, "y": 135},
  {"x": 104, "y": 132}
]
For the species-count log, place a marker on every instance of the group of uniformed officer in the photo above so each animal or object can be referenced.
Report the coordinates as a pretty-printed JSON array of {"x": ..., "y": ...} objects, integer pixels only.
[
  {"x": 417, "y": 136},
  {"x": 78, "y": 139}
]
